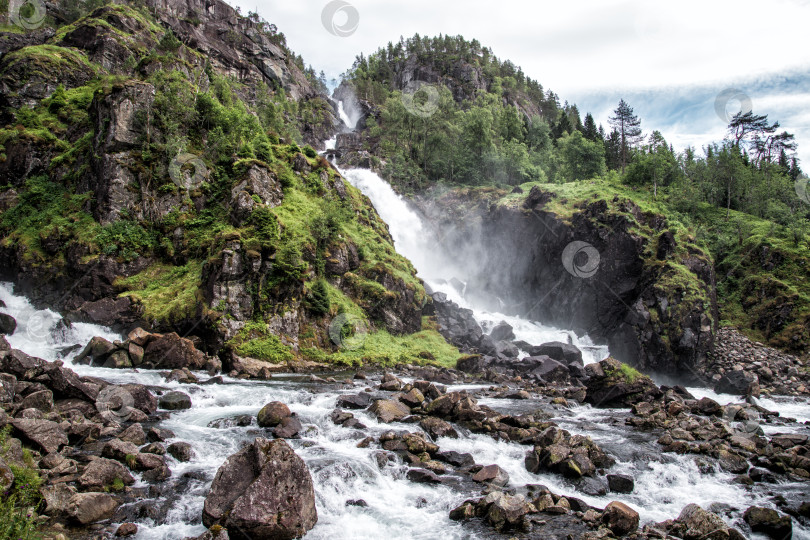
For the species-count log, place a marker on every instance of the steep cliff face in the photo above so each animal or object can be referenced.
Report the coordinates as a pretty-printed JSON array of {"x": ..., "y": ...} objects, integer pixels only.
[
  {"x": 627, "y": 277},
  {"x": 151, "y": 175}
]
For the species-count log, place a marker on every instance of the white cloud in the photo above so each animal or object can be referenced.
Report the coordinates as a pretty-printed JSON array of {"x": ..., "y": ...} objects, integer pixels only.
[{"x": 590, "y": 50}]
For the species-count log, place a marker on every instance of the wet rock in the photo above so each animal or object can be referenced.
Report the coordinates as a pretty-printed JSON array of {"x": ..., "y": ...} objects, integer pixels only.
[
  {"x": 175, "y": 401},
  {"x": 354, "y": 401},
  {"x": 388, "y": 410},
  {"x": 134, "y": 434},
  {"x": 492, "y": 474},
  {"x": 423, "y": 476},
  {"x": 412, "y": 398},
  {"x": 272, "y": 414},
  {"x": 66, "y": 384},
  {"x": 698, "y": 523},
  {"x": 181, "y": 451},
  {"x": 154, "y": 448},
  {"x": 289, "y": 428},
  {"x": 592, "y": 486},
  {"x": 740, "y": 383},
  {"x": 159, "y": 434},
  {"x": 357, "y": 502},
  {"x": 262, "y": 491},
  {"x": 170, "y": 351},
  {"x": 769, "y": 522},
  {"x": 620, "y": 518},
  {"x": 102, "y": 473},
  {"x": 506, "y": 511},
  {"x": 620, "y": 483},
  {"x": 456, "y": 459},
  {"x": 465, "y": 511},
  {"x": 43, "y": 434},
  {"x": 436, "y": 427},
  {"x": 559, "y": 351},
  {"x": 126, "y": 529},
  {"x": 502, "y": 332},
  {"x": 612, "y": 384},
  {"x": 731, "y": 462},
  {"x": 119, "y": 450},
  {"x": 142, "y": 398},
  {"x": 86, "y": 508},
  {"x": 7, "y": 324}
]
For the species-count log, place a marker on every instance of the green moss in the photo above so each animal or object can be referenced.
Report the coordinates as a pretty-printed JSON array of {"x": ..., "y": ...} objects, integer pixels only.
[
  {"x": 18, "y": 518},
  {"x": 381, "y": 348},
  {"x": 254, "y": 340},
  {"x": 165, "y": 293}
]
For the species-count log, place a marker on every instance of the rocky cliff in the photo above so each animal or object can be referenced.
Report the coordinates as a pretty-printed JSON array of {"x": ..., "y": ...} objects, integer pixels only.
[
  {"x": 624, "y": 275},
  {"x": 157, "y": 169}
]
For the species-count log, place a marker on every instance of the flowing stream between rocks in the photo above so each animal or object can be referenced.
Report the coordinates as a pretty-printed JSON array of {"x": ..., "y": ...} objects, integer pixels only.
[{"x": 356, "y": 497}]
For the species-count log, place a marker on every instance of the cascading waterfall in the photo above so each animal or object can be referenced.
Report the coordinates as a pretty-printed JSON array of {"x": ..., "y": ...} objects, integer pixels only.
[{"x": 396, "y": 507}]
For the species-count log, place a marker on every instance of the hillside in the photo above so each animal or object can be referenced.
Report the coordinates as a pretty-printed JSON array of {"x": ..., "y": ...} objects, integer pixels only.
[
  {"x": 444, "y": 114},
  {"x": 157, "y": 168}
]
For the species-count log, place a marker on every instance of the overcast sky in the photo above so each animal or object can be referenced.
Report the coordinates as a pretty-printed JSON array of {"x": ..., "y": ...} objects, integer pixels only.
[{"x": 670, "y": 60}]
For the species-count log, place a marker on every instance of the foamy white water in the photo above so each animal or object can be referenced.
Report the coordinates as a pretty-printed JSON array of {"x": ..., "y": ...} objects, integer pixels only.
[{"x": 418, "y": 243}]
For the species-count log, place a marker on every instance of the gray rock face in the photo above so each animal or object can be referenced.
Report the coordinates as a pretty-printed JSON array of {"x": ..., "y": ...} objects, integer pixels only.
[
  {"x": 174, "y": 401},
  {"x": 89, "y": 507},
  {"x": 44, "y": 434},
  {"x": 102, "y": 472},
  {"x": 7, "y": 324},
  {"x": 264, "y": 491}
]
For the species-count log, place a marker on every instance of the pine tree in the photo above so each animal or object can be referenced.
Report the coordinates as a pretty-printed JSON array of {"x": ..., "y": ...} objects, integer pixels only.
[
  {"x": 629, "y": 127},
  {"x": 590, "y": 130}
]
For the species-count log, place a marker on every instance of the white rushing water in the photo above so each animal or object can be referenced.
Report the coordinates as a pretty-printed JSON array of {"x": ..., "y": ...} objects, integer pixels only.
[
  {"x": 419, "y": 244},
  {"x": 397, "y": 508}
]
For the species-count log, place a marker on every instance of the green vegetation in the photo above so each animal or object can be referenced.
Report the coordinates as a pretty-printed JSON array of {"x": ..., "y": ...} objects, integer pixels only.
[
  {"x": 18, "y": 517},
  {"x": 733, "y": 205},
  {"x": 256, "y": 341},
  {"x": 380, "y": 348},
  {"x": 166, "y": 293}
]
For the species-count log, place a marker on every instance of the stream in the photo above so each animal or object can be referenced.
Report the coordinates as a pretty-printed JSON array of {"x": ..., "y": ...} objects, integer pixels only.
[{"x": 342, "y": 472}]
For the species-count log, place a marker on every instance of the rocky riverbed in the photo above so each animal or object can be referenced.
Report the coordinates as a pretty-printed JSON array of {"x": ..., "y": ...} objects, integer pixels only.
[{"x": 413, "y": 451}]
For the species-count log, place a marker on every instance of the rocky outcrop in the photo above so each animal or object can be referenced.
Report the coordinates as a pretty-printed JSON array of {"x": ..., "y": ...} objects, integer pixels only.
[
  {"x": 264, "y": 491},
  {"x": 621, "y": 300}
]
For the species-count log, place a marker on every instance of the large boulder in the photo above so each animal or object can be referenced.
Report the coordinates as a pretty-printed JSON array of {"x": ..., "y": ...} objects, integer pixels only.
[
  {"x": 7, "y": 324},
  {"x": 620, "y": 518},
  {"x": 389, "y": 410},
  {"x": 89, "y": 507},
  {"x": 698, "y": 523},
  {"x": 769, "y": 522},
  {"x": 272, "y": 414},
  {"x": 264, "y": 491},
  {"x": 45, "y": 435},
  {"x": 559, "y": 351},
  {"x": 740, "y": 383},
  {"x": 175, "y": 401},
  {"x": 102, "y": 473},
  {"x": 613, "y": 384},
  {"x": 170, "y": 351}
]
